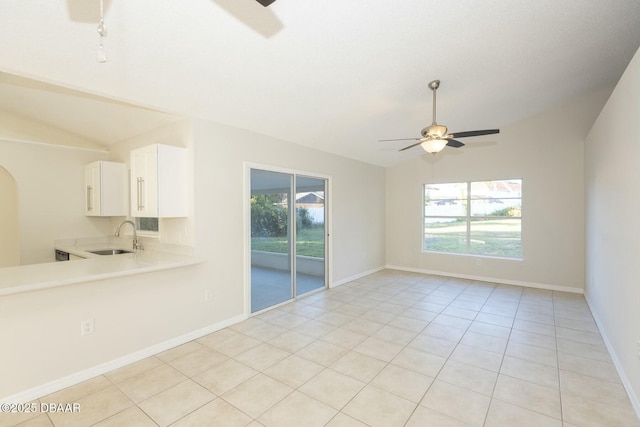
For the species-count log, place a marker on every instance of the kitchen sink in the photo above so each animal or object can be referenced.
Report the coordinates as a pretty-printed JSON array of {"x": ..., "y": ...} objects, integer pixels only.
[{"x": 110, "y": 252}]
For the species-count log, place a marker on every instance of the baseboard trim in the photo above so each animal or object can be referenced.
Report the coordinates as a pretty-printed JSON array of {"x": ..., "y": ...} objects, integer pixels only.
[
  {"x": 355, "y": 277},
  {"x": 490, "y": 279},
  {"x": 78, "y": 377},
  {"x": 633, "y": 397}
]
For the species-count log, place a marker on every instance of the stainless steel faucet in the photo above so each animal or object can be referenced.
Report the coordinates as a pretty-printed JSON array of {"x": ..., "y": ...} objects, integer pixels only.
[{"x": 137, "y": 245}]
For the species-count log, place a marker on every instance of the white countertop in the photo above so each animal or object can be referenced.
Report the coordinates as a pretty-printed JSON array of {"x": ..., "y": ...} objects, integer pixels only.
[{"x": 27, "y": 278}]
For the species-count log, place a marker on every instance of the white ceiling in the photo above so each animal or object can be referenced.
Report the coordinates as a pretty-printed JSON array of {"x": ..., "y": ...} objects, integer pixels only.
[{"x": 336, "y": 75}]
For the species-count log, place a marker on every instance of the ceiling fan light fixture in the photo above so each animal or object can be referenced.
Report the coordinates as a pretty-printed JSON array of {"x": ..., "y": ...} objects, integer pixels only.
[{"x": 433, "y": 146}]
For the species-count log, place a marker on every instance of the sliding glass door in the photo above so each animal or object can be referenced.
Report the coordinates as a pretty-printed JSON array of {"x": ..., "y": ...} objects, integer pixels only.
[
  {"x": 310, "y": 234},
  {"x": 271, "y": 239},
  {"x": 288, "y": 244}
]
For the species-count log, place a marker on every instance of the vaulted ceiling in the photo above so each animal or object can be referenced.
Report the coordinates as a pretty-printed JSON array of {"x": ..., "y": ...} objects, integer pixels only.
[{"x": 336, "y": 75}]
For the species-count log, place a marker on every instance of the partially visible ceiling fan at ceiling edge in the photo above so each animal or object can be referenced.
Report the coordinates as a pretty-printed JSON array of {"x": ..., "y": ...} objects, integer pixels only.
[
  {"x": 435, "y": 137},
  {"x": 265, "y": 3}
]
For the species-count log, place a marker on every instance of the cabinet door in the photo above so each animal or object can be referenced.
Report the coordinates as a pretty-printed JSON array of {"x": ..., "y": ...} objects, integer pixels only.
[
  {"x": 105, "y": 189},
  {"x": 92, "y": 189},
  {"x": 172, "y": 181},
  {"x": 144, "y": 182},
  {"x": 113, "y": 189}
]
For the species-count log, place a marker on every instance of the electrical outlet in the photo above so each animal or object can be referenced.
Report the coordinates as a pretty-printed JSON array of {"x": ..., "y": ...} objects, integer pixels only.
[
  {"x": 208, "y": 295},
  {"x": 87, "y": 327},
  {"x": 478, "y": 261}
]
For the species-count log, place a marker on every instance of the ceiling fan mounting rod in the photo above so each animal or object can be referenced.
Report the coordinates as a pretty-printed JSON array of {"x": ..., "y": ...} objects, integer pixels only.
[{"x": 434, "y": 85}]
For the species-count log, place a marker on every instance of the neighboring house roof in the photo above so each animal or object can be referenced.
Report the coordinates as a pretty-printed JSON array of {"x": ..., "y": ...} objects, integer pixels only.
[{"x": 310, "y": 198}]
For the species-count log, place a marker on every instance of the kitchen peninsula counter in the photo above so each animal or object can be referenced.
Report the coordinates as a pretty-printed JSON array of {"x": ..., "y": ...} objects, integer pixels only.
[{"x": 28, "y": 278}]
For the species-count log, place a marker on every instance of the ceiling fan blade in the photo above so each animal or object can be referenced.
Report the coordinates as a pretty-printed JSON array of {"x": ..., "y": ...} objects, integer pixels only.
[
  {"x": 455, "y": 144},
  {"x": 400, "y": 139},
  {"x": 265, "y": 3},
  {"x": 410, "y": 146},
  {"x": 474, "y": 133},
  {"x": 263, "y": 21}
]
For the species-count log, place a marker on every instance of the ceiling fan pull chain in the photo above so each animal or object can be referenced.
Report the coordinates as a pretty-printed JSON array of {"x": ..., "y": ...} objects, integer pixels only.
[{"x": 102, "y": 32}]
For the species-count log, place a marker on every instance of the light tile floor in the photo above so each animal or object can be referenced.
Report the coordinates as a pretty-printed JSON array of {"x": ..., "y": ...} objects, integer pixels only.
[{"x": 390, "y": 349}]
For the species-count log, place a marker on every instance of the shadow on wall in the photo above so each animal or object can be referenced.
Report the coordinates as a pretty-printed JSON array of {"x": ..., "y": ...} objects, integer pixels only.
[{"x": 9, "y": 235}]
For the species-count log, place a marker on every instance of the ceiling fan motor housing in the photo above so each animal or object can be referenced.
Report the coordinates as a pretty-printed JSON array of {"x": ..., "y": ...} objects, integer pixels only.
[{"x": 434, "y": 131}]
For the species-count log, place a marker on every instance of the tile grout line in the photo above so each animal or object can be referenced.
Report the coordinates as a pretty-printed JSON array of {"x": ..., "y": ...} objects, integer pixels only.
[
  {"x": 558, "y": 359},
  {"x": 493, "y": 391},
  {"x": 435, "y": 378},
  {"x": 400, "y": 286}
]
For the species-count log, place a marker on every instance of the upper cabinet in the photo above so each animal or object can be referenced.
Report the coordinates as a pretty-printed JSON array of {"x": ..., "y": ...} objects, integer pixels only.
[
  {"x": 105, "y": 189},
  {"x": 159, "y": 181}
]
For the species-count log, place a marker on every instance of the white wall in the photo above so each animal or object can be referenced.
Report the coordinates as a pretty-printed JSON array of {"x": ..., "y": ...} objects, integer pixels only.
[
  {"x": 147, "y": 312},
  {"x": 50, "y": 183},
  {"x": 546, "y": 151},
  {"x": 612, "y": 180},
  {"x": 47, "y": 164},
  {"x": 41, "y": 330},
  {"x": 357, "y": 199},
  {"x": 9, "y": 236}
]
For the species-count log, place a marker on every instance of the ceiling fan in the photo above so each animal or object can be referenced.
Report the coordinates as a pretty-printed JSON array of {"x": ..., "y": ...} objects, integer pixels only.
[
  {"x": 435, "y": 137},
  {"x": 267, "y": 27}
]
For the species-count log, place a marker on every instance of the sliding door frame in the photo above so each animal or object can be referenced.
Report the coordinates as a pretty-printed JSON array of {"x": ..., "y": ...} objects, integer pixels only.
[{"x": 248, "y": 166}]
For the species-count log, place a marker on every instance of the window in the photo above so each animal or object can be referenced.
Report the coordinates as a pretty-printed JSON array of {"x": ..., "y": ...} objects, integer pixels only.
[
  {"x": 479, "y": 218},
  {"x": 147, "y": 224}
]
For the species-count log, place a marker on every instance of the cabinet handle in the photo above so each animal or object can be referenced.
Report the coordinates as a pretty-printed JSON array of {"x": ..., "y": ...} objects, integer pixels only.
[
  {"x": 142, "y": 192},
  {"x": 89, "y": 198}
]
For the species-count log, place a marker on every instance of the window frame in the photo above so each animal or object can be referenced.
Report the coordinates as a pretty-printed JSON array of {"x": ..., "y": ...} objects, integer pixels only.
[{"x": 469, "y": 218}]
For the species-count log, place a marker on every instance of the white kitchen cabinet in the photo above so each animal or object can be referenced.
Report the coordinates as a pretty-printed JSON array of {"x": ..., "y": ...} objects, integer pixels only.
[
  {"x": 105, "y": 189},
  {"x": 159, "y": 181}
]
